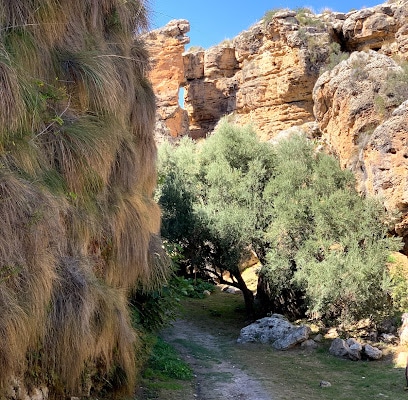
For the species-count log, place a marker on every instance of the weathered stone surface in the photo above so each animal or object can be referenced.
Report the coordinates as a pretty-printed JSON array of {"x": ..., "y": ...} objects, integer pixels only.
[
  {"x": 309, "y": 344},
  {"x": 293, "y": 337},
  {"x": 372, "y": 352},
  {"x": 355, "y": 349},
  {"x": 264, "y": 76},
  {"x": 193, "y": 65},
  {"x": 276, "y": 330},
  {"x": 344, "y": 102},
  {"x": 339, "y": 348},
  {"x": 324, "y": 384},
  {"x": 383, "y": 166},
  {"x": 366, "y": 140},
  {"x": 166, "y": 47}
]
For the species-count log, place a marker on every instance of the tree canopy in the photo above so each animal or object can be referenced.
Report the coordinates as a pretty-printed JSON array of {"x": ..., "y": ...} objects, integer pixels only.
[{"x": 322, "y": 246}]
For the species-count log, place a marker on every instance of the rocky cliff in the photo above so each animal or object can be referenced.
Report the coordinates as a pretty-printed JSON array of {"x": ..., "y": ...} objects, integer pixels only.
[{"x": 273, "y": 76}]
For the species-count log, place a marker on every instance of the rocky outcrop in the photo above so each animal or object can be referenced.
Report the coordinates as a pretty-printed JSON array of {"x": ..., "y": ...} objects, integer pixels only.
[
  {"x": 344, "y": 102},
  {"x": 166, "y": 46},
  {"x": 276, "y": 330},
  {"x": 382, "y": 28},
  {"x": 265, "y": 76},
  {"x": 269, "y": 76},
  {"x": 353, "y": 105}
]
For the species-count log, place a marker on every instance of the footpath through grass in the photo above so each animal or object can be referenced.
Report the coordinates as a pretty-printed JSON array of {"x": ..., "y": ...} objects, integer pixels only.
[{"x": 290, "y": 374}]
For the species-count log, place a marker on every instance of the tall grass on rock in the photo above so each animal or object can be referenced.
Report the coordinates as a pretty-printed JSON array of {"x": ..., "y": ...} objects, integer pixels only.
[{"x": 77, "y": 173}]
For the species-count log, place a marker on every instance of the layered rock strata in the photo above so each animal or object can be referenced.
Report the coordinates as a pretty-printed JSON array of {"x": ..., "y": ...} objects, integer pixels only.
[
  {"x": 357, "y": 109},
  {"x": 166, "y": 46}
]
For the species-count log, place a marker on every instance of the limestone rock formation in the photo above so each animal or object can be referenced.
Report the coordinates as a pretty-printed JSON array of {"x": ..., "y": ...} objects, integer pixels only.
[
  {"x": 383, "y": 28},
  {"x": 353, "y": 106},
  {"x": 344, "y": 102},
  {"x": 265, "y": 76},
  {"x": 269, "y": 76},
  {"x": 166, "y": 46}
]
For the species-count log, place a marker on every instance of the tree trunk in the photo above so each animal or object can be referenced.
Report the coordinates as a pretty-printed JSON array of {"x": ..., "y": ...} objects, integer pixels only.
[{"x": 248, "y": 295}]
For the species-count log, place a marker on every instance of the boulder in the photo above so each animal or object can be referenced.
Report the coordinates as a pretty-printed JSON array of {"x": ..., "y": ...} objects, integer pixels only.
[
  {"x": 372, "y": 353},
  {"x": 403, "y": 332},
  {"x": 339, "y": 348},
  {"x": 324, "y": 384},
  {"x": 318, "y": 338},
  {"x": 355, "y": 349},
  {"x": 276, "y": 330}
]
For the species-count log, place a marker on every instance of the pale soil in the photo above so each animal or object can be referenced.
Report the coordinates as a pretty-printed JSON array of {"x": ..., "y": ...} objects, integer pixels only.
[{"x": 216, "y": 375}]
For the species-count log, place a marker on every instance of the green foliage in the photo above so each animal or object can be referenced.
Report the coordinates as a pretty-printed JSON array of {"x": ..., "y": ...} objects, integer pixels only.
[
  {"x": 335, "y": 57},
  {"x": 325, "y": 239},
  {"x": 306, "y": 17},
  {"x": 322, "y": 246},
  {"x": 165, "y": 363},
  {"x": 269, "y": 15},
  {"x": 395, "y": 90},
  {"x": 397, "y": 283}
]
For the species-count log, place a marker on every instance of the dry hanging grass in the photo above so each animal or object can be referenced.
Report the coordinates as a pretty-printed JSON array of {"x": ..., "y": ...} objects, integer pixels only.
[
  {"x": 88, "y": 321},
  {"x": 77, "y": 173},
  {"x": 29, "y": 235}
]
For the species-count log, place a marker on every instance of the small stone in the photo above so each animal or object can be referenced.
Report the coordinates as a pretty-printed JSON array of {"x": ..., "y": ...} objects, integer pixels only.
[
  {"x": 324, "y": 384},
  {"x": 309, "y": 344},
  {"x": 206, "y": 293},
  {"x": 318, "y": 338}
]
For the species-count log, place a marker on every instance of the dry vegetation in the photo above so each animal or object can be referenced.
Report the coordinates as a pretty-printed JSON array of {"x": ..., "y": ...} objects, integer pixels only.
[{"x": 77, "y": 172}]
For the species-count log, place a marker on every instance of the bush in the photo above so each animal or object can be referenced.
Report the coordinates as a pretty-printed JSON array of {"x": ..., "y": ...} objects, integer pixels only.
[
  {"x": 395, "y": 91},
  {"x": 325, "y": 240},
  {"x": 306, "y": 17},
  {"x": 270, "y": 14}
]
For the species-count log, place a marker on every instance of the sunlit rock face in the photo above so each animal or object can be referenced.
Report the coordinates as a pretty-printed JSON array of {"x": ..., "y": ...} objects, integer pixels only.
[
  {"x": 357, "y": 111},
  {"x": 166, "y": 46},
  {"x": 263, "y": 76},
  {"x": 271, "y": 76}
]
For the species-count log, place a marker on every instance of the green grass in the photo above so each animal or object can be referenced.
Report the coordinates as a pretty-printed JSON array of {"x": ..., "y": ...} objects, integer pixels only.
[
  {"x": 291, "y": 374},
  {"x": 165, "y": 372},
  {"x": 199, "y": 352},
  {"x": 166, "y": 364},
  {"x": 295, "y": 373}
]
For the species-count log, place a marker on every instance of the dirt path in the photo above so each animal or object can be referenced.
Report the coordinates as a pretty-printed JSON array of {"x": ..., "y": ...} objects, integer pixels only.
[{"x": 216, "y": 375}]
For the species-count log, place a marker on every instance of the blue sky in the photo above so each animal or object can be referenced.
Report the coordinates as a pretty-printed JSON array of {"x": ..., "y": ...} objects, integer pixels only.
[{"x": 213, "y": 21}]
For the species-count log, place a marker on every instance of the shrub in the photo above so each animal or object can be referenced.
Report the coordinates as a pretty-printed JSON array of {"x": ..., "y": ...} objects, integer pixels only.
[
  {"x": 306, "y": 17},
  {"x": 336, "y": 56},
  {"x": 323, "y": 247},
  {"x": 77, "y": 172},
  {"x": 270, "y": 14},
  {"x": 325, "y": 240},
  {"x": 395, "y": 90},
  {"x": 397, "y": 281}
]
